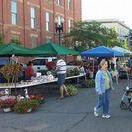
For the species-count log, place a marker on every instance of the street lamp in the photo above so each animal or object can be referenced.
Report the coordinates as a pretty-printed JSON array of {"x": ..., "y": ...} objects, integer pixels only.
[{"x": 59, "y": 27}]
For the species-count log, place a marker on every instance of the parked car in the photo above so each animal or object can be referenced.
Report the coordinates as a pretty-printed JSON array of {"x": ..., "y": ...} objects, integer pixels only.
[{"x": 39, "y": 64}]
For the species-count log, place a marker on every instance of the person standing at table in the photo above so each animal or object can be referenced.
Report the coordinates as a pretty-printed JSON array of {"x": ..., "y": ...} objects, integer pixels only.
[
  {"x": 29, "y": 72},
  {"x": 61, "y": 74}
]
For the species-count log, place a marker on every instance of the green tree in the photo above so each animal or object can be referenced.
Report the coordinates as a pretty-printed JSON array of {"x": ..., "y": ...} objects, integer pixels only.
[{"x": 86, "y": 35}]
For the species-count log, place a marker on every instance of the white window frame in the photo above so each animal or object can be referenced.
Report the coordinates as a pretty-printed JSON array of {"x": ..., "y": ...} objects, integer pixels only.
[
  {"x": 33, "y": 17},
  {"x": 69, "y": 25},
  {"x": 13, "y": 12},
  {"x": 69, "y": 2},
  {"x": 47, "y": 18},
  {"x": 58, "y": 2}
]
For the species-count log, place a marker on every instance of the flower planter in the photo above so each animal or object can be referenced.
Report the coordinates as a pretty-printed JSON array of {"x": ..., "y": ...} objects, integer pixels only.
[
  {"x": 26, "y": 106},
  {"x": 6, "y": 109},
  {"x": 72, "y": 90}
]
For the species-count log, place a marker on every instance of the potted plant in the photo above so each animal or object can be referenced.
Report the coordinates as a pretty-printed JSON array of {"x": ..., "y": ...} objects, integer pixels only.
[
  {"x": 40, "y": 98},
  {"x": 73, "y": 72},
  {"x": 72, "y": 90},
  {"x": 8, "y": 104},
  {"x": 26, "y": 106},
  {"x": 90, "y": 83}
]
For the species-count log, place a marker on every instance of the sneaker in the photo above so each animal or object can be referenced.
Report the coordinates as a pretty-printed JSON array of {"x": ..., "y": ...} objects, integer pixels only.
[
  {"x": 106, "y": 116},
  {"x": 95, "y": 112}
]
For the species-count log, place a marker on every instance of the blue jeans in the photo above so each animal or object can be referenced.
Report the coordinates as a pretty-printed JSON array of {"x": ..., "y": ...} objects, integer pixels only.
[{"x": 103, "y": 102}]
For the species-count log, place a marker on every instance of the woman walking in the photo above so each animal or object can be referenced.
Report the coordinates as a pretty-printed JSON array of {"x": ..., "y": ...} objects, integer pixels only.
[{"x": 103, "y": 82}]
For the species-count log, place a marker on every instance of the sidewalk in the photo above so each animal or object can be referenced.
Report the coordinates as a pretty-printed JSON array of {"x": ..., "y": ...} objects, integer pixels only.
[{"x": 73, "y": 114}]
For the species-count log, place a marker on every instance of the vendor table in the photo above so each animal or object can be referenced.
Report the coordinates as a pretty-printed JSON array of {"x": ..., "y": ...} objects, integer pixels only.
[{"x": 37, "y": 82}]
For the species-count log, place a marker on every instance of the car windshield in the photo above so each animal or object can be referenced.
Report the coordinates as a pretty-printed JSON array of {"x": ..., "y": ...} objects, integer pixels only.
[{"x": 39, "y": 62}]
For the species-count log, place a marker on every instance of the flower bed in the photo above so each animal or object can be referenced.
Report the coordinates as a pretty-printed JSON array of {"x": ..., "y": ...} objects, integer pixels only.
[
  {"x": 37, "y": 97},
  {"x": 21, "y": 104},
  {"x": 8, "y": 103}
]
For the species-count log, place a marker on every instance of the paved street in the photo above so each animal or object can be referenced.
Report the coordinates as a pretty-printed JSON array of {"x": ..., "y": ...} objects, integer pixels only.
[{"x": 73, "y": 114}]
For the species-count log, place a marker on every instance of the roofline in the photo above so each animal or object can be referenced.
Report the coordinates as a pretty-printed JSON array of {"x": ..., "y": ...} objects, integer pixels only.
[
  {"x": 118, "y": 23},
  {"x": 110, "y": 21}
]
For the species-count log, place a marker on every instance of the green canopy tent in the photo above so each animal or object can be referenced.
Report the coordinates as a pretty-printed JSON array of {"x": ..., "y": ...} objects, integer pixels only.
[
  {"x": 55, "y": 49},
  {"x": 7, "y": 50}
]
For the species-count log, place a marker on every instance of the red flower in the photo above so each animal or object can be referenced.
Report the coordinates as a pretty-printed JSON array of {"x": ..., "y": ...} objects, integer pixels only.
[
  {"x": 8, "y": 103},
  {"x": 36, "y": 97}
]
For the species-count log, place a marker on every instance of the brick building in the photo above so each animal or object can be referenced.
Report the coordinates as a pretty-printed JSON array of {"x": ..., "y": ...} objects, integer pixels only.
[{"x": 32, "y": 21}]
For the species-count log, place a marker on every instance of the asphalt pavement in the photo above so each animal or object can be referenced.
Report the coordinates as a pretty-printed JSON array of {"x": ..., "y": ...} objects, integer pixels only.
[{"x": 72, "y": 114}]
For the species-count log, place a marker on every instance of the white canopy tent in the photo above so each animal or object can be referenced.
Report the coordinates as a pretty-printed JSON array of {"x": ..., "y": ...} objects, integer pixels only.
[{"x": 124, "y": 51}]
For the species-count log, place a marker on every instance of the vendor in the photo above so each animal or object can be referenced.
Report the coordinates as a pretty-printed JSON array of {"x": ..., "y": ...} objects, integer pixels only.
[
  {"x": 51, "y": 65},
  {"x": 29, "y": 72}
]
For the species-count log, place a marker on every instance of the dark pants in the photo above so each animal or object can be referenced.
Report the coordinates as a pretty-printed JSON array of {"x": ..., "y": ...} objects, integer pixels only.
[{"x": 61, "y": 79}]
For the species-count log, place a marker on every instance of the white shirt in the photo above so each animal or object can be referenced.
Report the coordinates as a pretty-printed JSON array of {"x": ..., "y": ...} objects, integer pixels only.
[{"x": 61, "y": 66}]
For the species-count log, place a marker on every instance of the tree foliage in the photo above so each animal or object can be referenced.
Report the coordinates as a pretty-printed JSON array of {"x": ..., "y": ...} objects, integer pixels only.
[{"x": 86, "y": 35}]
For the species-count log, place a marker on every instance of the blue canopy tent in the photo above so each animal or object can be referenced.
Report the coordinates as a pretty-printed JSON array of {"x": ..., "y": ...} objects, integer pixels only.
[{"x": 102, "y": 51}]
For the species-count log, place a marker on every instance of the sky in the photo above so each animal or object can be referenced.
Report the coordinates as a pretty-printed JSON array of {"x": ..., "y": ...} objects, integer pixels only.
[{"x": 108, "y": 9}]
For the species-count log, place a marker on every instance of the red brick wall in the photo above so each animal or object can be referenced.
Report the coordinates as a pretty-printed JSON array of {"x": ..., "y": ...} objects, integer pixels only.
[
  {"x": 77, "y": 10},
  {"x": 1, "y": 16},
  {"x": 23, "y": 28}
]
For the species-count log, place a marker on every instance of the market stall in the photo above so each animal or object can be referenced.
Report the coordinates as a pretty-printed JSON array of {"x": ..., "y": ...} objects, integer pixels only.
[
  {"x": 24, "y": 102},
  {"x": 55, "y": 49},
  {"x": 37, "y": 81},
  {"x": 102, "y": 51},
  {"x": 7, "y": 50},
  {"x": 10, "y": 70}
]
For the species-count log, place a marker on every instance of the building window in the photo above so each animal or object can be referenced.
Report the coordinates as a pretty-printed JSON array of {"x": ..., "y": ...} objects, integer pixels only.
[
  {"x": 34, "y": 41},
  {"x": 60, "y": 2},
  {"x": 13, "y": 12},
  {"x": 47, "y": 15},
  {"x": 69, "y": 3},
  {"x": 33, "y": 18},
  {"x": 49, "y": 2},
  {"x": 69, "y": 25}
]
